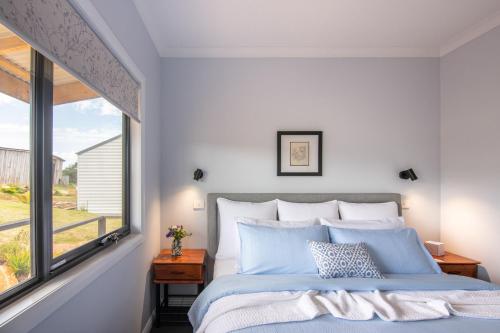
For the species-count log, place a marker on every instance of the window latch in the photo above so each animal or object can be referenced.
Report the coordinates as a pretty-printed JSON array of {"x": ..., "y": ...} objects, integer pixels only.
[
  {"x": 57, "y": 265},
  {"x": 114, "y": 237}
]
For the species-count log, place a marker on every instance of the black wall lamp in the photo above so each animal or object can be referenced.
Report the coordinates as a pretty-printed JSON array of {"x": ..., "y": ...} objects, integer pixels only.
[
  {"x": 408, "y": 174},
  {"x": 198, "y": 174}
]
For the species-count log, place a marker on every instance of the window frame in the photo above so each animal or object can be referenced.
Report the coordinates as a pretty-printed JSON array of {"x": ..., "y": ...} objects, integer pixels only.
[{"x": 44, "y": 266}]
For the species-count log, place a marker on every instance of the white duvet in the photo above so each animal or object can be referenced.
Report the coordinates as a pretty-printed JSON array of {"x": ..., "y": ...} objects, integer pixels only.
[{"x": 246, "y": 310}]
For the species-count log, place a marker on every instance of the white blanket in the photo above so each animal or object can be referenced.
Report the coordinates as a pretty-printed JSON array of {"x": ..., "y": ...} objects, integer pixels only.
[{"x": 246, "y": 310}]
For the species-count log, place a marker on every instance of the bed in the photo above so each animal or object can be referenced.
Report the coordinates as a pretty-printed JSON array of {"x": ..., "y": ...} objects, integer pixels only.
[{"x": 268, "y": 303}]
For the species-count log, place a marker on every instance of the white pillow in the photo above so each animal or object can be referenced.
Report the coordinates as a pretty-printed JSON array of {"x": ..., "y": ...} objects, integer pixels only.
[
  {"x": 298, "y": 211},
  {"x": 367, "y": 211},
  {"x": 387, "y": 223},
  {"x": 276, "y": 223},
  {"x": 228, "y": 212}
]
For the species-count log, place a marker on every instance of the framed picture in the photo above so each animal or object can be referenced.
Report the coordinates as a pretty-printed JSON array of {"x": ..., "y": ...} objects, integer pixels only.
[{"x": 300, "y": 153}]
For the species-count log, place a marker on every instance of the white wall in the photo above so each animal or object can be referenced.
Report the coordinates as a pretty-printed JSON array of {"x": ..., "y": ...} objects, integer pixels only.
[
  {"x": 120, "y": 300},
  {"x": 378, "y": 116},
  {"x": 470, "y": 88},
  {"x": 100, "y": 178}
]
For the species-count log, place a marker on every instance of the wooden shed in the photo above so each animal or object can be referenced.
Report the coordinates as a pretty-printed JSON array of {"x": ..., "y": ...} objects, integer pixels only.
[
  {"x": 15, "y": 167},
  {"x": 99, "y": 174}
]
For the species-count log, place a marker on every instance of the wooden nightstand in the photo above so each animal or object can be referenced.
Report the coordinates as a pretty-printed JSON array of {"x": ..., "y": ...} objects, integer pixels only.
[
  {"x": 186, "y": 269},
  {"x": 454, "y": 264}
]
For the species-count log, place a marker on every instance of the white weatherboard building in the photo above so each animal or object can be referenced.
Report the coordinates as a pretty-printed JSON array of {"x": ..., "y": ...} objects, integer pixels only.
[{"x": 99, "y": 172}]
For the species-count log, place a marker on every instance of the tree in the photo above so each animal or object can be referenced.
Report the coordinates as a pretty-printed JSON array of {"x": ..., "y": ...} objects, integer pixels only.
[{"x": 71, "y": 172}]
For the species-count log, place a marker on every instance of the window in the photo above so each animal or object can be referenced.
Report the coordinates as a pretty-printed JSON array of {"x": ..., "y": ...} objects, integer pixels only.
[
  {"x": 64, "y": 169},
  {"x": 87, "y": 196},
  {"x": 16, "y": 227}
]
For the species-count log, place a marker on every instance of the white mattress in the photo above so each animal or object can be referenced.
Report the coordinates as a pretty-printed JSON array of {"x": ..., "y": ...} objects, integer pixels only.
[{"x": 225, "y": 267}]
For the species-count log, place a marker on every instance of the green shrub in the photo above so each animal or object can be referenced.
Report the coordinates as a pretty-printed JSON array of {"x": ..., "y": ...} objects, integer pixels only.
[
  {"x": 12, "y": 189},
  {"x": 72, "y": 173},
  {"x": 16, "y": 254},
  {"x": 8, "y": 189},
  {"x": 20, "y": 263}
]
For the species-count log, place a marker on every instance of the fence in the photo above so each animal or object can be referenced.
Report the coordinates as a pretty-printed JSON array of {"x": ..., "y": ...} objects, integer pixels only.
[{"x": 101, "y": 225}]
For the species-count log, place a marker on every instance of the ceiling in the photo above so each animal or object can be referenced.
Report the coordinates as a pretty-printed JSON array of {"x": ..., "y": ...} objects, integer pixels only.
[{"x": 315, "y": 28}]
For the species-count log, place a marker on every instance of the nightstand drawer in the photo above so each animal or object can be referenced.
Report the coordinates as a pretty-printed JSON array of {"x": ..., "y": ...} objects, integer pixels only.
[
  {"x": 457, "y": 269},
  {"x": 181, "y": 272}
]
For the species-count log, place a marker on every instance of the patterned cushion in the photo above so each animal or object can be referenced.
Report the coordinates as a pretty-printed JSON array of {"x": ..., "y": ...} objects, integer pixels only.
[{"x": 343, "y": 260}]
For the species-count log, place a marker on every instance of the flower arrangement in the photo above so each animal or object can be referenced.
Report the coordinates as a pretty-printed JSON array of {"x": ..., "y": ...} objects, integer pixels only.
[{"x": 177, "y": 232}]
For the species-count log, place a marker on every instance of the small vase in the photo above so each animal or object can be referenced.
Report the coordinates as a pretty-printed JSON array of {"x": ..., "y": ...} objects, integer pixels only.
[{"x": 176, "y": 248}]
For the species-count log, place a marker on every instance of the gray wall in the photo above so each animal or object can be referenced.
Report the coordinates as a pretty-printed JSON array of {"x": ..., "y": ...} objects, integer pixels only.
[
  {"x": 120, "y": 299},
  {"x": 378, "y": 116},
  {"x": 470, "y": 88}
]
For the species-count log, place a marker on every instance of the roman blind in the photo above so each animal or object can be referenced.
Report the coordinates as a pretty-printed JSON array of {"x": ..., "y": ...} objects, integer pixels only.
[{"x": 58, "y": 31}]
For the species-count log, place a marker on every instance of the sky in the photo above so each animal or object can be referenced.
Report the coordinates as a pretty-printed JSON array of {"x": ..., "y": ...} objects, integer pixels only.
[{"x": 76, "y": 125}]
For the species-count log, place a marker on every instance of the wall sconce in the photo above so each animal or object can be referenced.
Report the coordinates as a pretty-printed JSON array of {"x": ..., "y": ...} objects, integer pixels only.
[
  {"x": 198, "y": 174},
  {"x": 408, "y": 174}
]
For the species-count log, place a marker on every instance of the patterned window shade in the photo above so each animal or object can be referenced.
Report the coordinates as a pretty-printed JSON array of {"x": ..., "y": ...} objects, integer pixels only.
[{"x": 56, "y": 29}]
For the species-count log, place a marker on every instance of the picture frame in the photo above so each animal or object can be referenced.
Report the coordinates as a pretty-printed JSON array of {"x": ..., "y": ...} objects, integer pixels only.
[{"x": 299, "y": 153}]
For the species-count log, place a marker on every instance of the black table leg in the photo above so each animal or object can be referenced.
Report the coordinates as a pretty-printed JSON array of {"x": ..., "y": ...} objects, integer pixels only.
[
  {"x": 165, "y": 295},
  {"x": 158, "y": 304},
  {"x": 200, "y": 288}
]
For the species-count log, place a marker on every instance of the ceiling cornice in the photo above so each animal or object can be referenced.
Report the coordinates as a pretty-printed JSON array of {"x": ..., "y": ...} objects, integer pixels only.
[
  {"x": 470, "y": 34},
  {"x": 288, "y": 52},
  {"x": 455, "y": 42}
]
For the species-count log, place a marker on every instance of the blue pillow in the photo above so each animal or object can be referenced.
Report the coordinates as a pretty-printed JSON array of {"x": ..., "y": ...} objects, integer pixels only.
[
  {"x": 268, "y": 250},
  {"x": 395, "y": 251}
]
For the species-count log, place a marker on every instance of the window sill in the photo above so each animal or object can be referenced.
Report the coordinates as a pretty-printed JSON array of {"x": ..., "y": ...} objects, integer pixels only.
[{"x": 26, "y": 313}]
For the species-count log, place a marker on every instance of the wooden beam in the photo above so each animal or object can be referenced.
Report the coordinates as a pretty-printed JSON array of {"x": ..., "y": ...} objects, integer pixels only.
[
  {"x": 64, "y": 93},
  {"x": 14, "y": 87},
  {"x": 11, "y": 44},
  {"x": 72, "y": 92},
  {"x": 14, "y": 69}
]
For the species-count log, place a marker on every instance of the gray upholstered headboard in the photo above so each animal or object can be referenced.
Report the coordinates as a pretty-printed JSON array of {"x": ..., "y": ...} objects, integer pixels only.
[{"x": 212, "y": 212}]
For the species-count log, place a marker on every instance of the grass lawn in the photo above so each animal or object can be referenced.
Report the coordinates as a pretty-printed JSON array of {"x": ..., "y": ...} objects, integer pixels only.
[
  {"x": 63, "y": 242},
  {"x": 15, "y": 243},
  {"x": 12, "y": 209},
  {"x": 64, "y": 193},
  {"x": 70, "y": 239}
]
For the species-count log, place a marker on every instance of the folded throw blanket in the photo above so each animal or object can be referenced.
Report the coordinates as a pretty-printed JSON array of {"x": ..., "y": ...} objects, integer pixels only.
[{"x": 245, "y": 310}]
